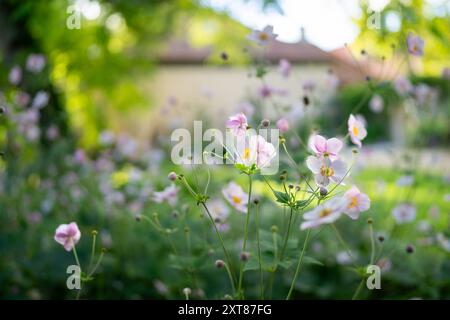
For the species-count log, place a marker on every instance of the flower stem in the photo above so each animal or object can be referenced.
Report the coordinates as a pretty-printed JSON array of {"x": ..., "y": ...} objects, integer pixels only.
[
  {"x": 342, "y": 241},
  {"x": 76, "y": 257},
  {"x": 299, "y": 264},
  {"x": 230, "y": 276},
  {"x": 287, "y": 235},
  {"x": 261, "y": 276},
  {"x": 91, "y": 260},
  {"x": 372, "y": 243},
  {"x": 358, "y": 290},
  {"x": 244, "y": 245},
  {"x": 225, "y": 251}
]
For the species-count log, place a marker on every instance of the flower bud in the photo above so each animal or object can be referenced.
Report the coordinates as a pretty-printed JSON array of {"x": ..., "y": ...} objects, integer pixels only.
[
  {"x": 323, "y": 191},
  {"x": 2, "y": 110},
  {"x": 172, "y": 176},
  {"x": 369, "y": 221},
  {"x": 187, "y": 291},
  {"x": 244, "y": 256},
  {"x": 219, "y": 264},
  {"x": 224, "y": 56},
  {"x": 265, "y": 123},
  {"x": 138, "y": 217},
  {"x": 256, "y": 201},
  {"x": 409, "y": 248},
  {"x": 291, "y": 186},
  {"x": 274, "y": 229},
  {"x": 305, "y": 100},
  {"x": 94, "y": 232},
  {"x": 381, "y": 238}
]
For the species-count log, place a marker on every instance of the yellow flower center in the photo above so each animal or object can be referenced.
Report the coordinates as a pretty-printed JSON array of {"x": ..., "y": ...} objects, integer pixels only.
[
  {"x": 325, "y": 212},
  {"x": 246, "y": 153},
  {"x": 353, "y": 203},
  {"x": 263, "y": 36},
  {"x": 326, "y": 171},
  {"x": 355, "y": 130},
  {"x": 236, "y": 200}
]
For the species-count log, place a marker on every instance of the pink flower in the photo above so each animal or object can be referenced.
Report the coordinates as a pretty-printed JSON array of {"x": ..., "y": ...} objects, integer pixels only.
[
  {"x": 325, "y": 148},
  {"x": 357, "y": 202},
  {"x": 35, "y": 63},
  {"x": 376, "y": 104},
  {"x": 327, "y": 212},
  {"x": 309, "y": 86},
  {"x": 403, "y": 213},
  {"x": 283, "y": 125},
  {"x": 446, "y": 73},
  {"x": 415, "y": 44},
  {"x": 234, "y": 194},
  {"x": 219, "y": 211},
  {"x": 40, "y": 100},
  {"x": 68, "y": 235},
  {"x": 263, "y": 37},
  {"x": 255, "y": 150},
  {"x": 169, "y": 194},
  {"x": 326, "y": 171},
  {"x": 403, "y": 86},
  {"x": 284, "y": 68},
  {"x": 356, "y": 130},
  {"x": 15, "y": 75},
  {"x": 237, "y": 124},
  {"x": 265, "y": 91}
]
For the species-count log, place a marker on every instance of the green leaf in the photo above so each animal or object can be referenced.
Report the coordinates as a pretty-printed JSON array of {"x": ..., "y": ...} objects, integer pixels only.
[
  {"x": 282, "y": 197},
  {"x": 311, "y": 260},
  {"x": 300, "y": 204},
  {"x": 260, "y": 72}
]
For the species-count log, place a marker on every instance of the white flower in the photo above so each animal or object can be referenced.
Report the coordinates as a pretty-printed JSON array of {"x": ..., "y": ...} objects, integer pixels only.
[
  {"x": 35, "y": 63},
  {"x": 40, "y": 100},
  {"x": 356, "y": 130},
  {"x": 236, "y": 196},
  {"x": 254, "y": 150},
  {"x": 343, "y": 257},
  {"x": 404, "y": 213},
  {"x": 262, "y": 37},
  {"x": 357, "y": 202},
  {"x": 327, "y": 212},
  {"x": 326, "y": 170},
  {"x": 403, "y": 86}
]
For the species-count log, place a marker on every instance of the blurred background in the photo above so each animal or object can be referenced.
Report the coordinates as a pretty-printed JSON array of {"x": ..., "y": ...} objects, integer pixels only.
[{"x": 90, "y": 92}]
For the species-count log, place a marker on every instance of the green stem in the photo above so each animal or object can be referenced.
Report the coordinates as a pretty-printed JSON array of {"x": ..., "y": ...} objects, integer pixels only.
[
  {"x": 97, "y": 264},
  {"x": 372, "y": 243},
  {"x": 225, "y": 252},
  {"x": 261, "y": 277},
  {"x": 76, "y": 257},
  {"x": 230, "y": 276},
  {"x": 358, "y": 290},
  {"x": 287, "y": 235},
  {"x": 299, "y": 265},
  {"x": 342, "y": 241},
  {"x": 244, "y": 245},
  {"x": 91, "y": 260}
]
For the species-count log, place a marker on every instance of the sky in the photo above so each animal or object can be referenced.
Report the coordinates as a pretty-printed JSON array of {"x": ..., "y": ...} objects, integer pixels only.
[{"x": 329, "y": 24}]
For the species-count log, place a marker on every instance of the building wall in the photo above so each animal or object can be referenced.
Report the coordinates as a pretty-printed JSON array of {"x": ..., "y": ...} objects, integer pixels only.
[{"x": 212, "y": 92}]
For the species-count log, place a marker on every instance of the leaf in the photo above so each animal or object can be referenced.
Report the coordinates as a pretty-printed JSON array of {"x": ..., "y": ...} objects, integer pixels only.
[
  {"x": 281, "y": 197},
  {"x": 311, "y": 260},
  {"x": 260, "y": 72},
  {"x": 300, "y": 204}
]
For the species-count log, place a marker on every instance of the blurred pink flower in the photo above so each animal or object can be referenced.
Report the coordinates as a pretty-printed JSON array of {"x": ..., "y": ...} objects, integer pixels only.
[
  {"x": 376, "y": 104},
  {"x": 326, "y": 171},
  {"x": 35, "y": 63},
  {"x": 234, "y": 194},
  {"x": 68, "y": 235},
  {"x": 446, "y": 73},
  {"x": 404, "y": 213},
  {"x": 284, "y": 68},
  {"x": 40, "y": 100},
  {"x": 283, "y": 125},
  {"x": 403, "y": 86},
  {"x": 22, "y": 99},
  {"x": 325, "y": 148},
  {"x": 415, "y": 44},
  {"x": 356, "y": 130},
  {"x": 237, "y": 124},
  {"x": 263, "y": 37},
  {"x": 219, "y": 211},
  {"x": 327, "y": 212},
  {"x": 15, "y": 75},
  {"x": 52, "y": 133},
  {"x": 357, "y": 202},
  {"x": 169, "y": 194}
]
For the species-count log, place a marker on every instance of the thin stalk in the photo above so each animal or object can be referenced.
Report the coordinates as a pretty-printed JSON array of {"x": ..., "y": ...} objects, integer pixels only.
[
  {"x": 299, "y": 264},
  {"x": 225, "y": 252},
  {"x": 287, "y": 235},
  {"x": 261, "y": 276},
  {"x": 244, "y": 245}
]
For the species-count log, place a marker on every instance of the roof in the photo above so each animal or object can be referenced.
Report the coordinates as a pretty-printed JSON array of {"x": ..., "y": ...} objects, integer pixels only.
[{"x": 180, "y": 52}]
